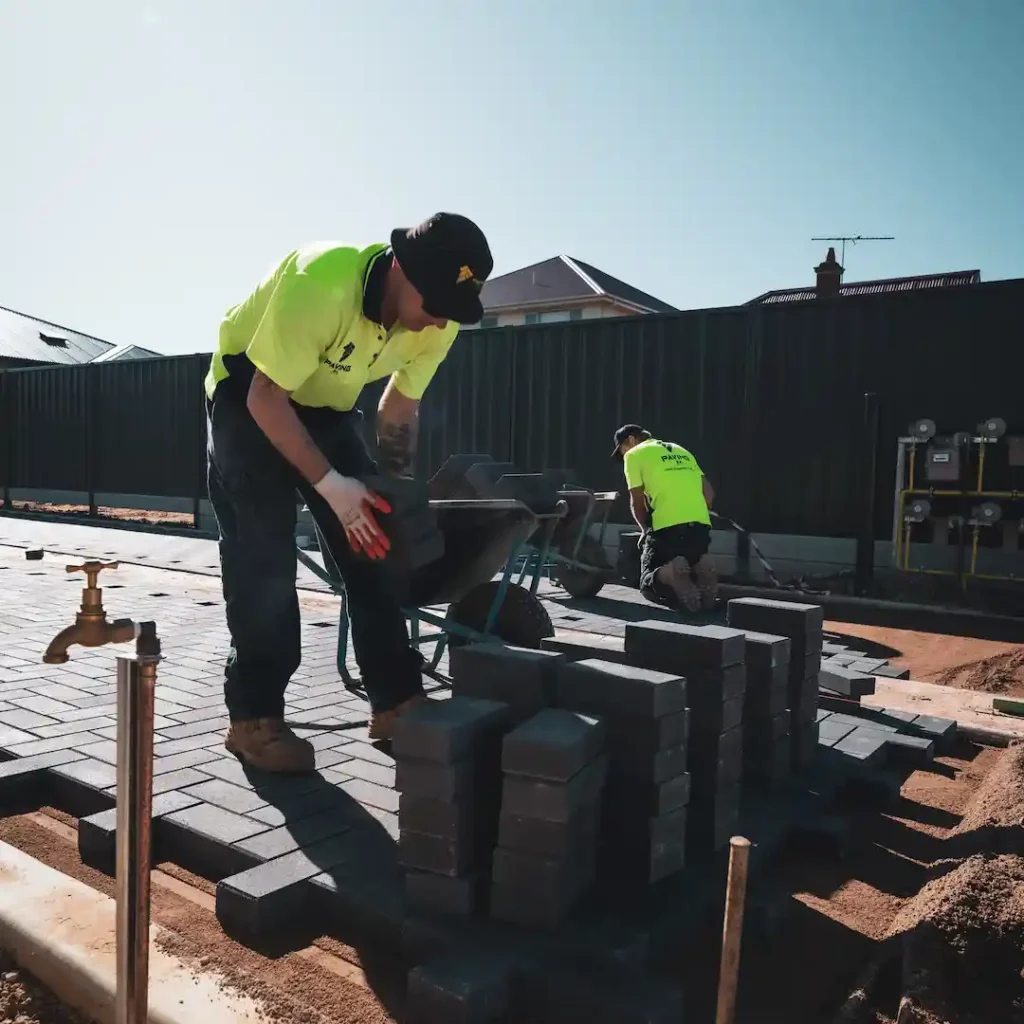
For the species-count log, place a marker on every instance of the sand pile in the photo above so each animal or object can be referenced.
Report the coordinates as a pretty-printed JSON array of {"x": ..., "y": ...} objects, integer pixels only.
[
  {"x": 963, "y": 933},
  {"x": 1002, "y": 673}
]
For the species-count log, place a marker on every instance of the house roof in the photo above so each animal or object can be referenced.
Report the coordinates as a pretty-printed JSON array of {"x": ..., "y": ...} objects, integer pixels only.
[
  {"x": 922, "y": 282},
  {"x": 564, "y": 279},
  {"x": 122, "y": 352},
  {"x": 34, "y": 340}
]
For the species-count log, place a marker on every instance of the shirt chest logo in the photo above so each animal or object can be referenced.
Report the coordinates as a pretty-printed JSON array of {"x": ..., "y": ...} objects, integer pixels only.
[{"x": 338, "y": 365}]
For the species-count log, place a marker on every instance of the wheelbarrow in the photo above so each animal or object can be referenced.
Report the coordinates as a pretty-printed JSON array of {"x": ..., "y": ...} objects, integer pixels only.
[
  {"x": 487, "y": 542},
  {"x": 575, "y": 558}
]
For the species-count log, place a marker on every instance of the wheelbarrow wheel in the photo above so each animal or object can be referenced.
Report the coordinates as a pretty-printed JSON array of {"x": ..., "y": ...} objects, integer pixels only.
[
  {"x": 522, "y": 620},
  {"x": 576, "y": 580}
]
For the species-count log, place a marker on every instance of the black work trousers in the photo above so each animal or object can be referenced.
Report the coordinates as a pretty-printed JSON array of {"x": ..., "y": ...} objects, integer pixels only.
[
  {"x": 253, "y": 493},
  {"x": 689, "y": 540}
]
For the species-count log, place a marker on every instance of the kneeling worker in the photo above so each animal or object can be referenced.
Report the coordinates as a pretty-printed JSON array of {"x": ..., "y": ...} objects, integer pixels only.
[
  {"x": 281, "y": 401},
  {"x": 670, "y": 499}
]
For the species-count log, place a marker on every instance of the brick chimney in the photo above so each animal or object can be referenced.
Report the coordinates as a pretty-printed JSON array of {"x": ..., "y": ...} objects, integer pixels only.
[{"x": 829, "y": 276}]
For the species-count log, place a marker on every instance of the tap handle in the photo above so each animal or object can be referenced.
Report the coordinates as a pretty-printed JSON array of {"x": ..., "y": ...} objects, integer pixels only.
[{"x": 92, "y": 569}]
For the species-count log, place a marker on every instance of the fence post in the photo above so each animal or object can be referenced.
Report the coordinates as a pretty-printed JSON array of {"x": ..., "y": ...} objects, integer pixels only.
[
  {"x": 7, "y": 435},
  {"x": 865, "y": 568},
  {"x": 91, "y": 436}
]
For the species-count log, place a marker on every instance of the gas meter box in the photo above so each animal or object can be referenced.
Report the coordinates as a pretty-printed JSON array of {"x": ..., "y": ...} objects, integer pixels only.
[{"x": 943, "y": 462}]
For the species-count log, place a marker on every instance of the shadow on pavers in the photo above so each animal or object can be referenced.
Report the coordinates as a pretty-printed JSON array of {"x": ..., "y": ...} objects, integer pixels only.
[{"x": 330, "y": 869}]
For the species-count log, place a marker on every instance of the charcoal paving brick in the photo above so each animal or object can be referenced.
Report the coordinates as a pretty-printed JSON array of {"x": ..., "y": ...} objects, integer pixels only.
[
  {"x": 357, "y": 768},
  {"x": 678, "y": 647},
  {"x": 553, "y": 745},
  {"x": 17, "y": 768},
  {"x": 531, "y": 908},
  {"x": 554, "y": 801},
  {"x": 216, "y": 823},
  {"x": 642, "y": 735},
  {"x": 645, "y": 855},
  {"x": 289, "y": 808},
  {"x": 767, "y": 768},
  {"x": 764, "y": 700},
  {"x": 436, "y": 817},
  {"x": 451, "y": 857},
  {"x": 593, "y": 645},
  {"x": 271, "y": 896},
  {"x": 599, "y": 687},
  {"x": 658, "y": 767},
  {"x": 765, "y": 650},
  {"x": 867, "y": 665},
  {"x": 893, "y": 672},
  {"x": 524, "y": 679},
  {"x": 804, "y": 705},
  {"x": 627, "y": 801},
  {"x": 785, "y": 618},
  {"x": 97, "y": 832},
  {"x": 832, "y": 731},
  {"x": 709, "y": 686},
  {"x": 716, "y": 716},
  {"x": 941, "y": 730},
  {"x": 846, "y": 681},
  {"x": 461, "y": 896},
  {"x": 446, "y": 731},
  {"x": 865, "y": 746},
  {"x": 288, "y": 838},
  {"x": 917, "y": 750},
  {"x": 432, "y": 781},
  {"x": 463, "y": 987},
  {"x": 368, "y": 793},
  {"x": 549, "y": 838},
  {"x": 554, "y": 877},
  {"x": 367, "y": 753}
]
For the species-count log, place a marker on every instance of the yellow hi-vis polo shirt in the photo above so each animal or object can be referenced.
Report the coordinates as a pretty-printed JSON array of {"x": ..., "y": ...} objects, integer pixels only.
[
  {"x": 305, "y": 328},
  {"x": 672, "y": 481}
]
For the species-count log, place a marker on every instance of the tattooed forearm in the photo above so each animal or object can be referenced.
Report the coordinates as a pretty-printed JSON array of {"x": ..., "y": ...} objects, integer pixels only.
[{"x": 396, "y": 446}]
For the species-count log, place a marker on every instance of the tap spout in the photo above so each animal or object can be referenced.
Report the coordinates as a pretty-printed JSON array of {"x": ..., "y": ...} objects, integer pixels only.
[{"x": 89, "y": 632}]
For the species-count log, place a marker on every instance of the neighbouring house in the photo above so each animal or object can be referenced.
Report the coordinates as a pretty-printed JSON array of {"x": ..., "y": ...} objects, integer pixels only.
[
  {"x": 829, "y": 284},
  {"x": 28, "y": 341},
  {"x": 562, "y": 289}
]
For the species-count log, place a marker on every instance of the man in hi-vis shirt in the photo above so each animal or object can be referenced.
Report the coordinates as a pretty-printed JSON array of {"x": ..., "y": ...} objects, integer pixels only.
[
  {"x": 670, "y": 498},
  {"x": 281, "y": 394}
]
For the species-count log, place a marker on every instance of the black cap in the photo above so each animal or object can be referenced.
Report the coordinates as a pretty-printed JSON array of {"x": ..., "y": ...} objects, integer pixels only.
[
  {"x": 447, "y": 259},
  {"x": 629, "y": 430}
]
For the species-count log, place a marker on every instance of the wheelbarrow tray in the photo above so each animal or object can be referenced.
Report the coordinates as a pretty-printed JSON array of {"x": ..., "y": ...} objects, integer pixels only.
[{"x": 480, "y": 535}]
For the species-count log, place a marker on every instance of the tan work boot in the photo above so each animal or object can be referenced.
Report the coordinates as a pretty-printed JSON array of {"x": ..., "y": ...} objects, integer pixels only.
[
  {"x": 268, "y": 744},
  {"x": 382, "y": 723},
  {"x": 676, "y": 574},
  {"x": 707, "y": 581}
]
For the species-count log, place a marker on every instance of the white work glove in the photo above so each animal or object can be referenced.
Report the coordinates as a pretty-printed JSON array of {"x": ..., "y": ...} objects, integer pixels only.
[{"x": 352, "y": 502}]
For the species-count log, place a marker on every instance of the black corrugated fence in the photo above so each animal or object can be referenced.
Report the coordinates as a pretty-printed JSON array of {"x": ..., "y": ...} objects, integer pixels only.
[{"x": 769, "y": 398}]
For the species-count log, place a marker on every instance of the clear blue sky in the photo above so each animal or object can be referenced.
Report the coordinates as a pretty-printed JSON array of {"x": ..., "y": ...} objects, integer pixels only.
[{"x": 158, "y": 156}]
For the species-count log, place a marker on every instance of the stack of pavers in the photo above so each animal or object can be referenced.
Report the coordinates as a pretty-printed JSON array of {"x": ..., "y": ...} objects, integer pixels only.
[
  {"x": 644, "y": 813},
  {"x": 712, "y": 660},
  {"x": 766, "y": 715},
  {"x": 522, "y": 678},
  {"x": 554, "y": 769},
  {"x": 802, "y": 624},
  {"x": 448, "y": 772}
]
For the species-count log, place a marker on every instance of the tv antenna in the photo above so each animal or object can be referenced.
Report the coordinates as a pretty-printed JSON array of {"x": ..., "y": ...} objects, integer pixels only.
[{"x": 853, "y": 240}]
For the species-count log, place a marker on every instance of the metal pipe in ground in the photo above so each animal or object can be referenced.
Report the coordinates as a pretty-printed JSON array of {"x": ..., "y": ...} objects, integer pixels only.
[
  {"x": 136, "y": 687},
  {"x": 732, "y": 929}
]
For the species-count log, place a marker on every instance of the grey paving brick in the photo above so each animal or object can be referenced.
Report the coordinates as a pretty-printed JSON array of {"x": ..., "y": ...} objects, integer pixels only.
[
  {"x": 84, "y": 702},
  {"x": 917, "y": 750},
  {"x": 27, "y": 765},
  {"x": 641, "y": 736},
  {"x": 599, "y": 687},
  {"x": 19, "y": 718},
  {"x": 553, "y": 745},
  {"x": 554, "y": 801},
  {"x": 179, "y": 732},
  {"x": 708, "y": 686},
  {"x": 189, "y": 759},
  {"x": 37, "y": 746},
  {"x": 57, "y": 691},
  {"x": 833, "y": 731},
  {"x": 285, "y": 810},
  {"x": 102, "y": 750},
  {"x": 765, "y": 650},
  {"x": 224, "y": 794},
  {"x": 368, "y": 793},
  {"x": 203, "y": 714},
  {"x": 10, "y": 737},
  {"x": 88, "y": 772},
  {"x": 867, "y": 665},
  {"x": 445, "y": 731},
  {"x": 764, "y": 701},
  {"x": 438, "y": 818},
  {"x": 429, "y": 780},
  {"x": 42, "y": 705},
  {"x": 356, "y": 768},
  {"x": 288, "y": 838},
  {"x": 180, "y": 779},
  {"x": 163, "y": 749},
  {"x": 716, "y": 716},
  {"x": 335, "y": 758},
  {"x": 365, "y": 752},
  {"x": 87, "y": 714},
  {"x": 893, "y": 672},
  {"x": 216, "y": 823},
  {"x": 941, "y": 730},
  {"x": 93, "y": 725}
]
